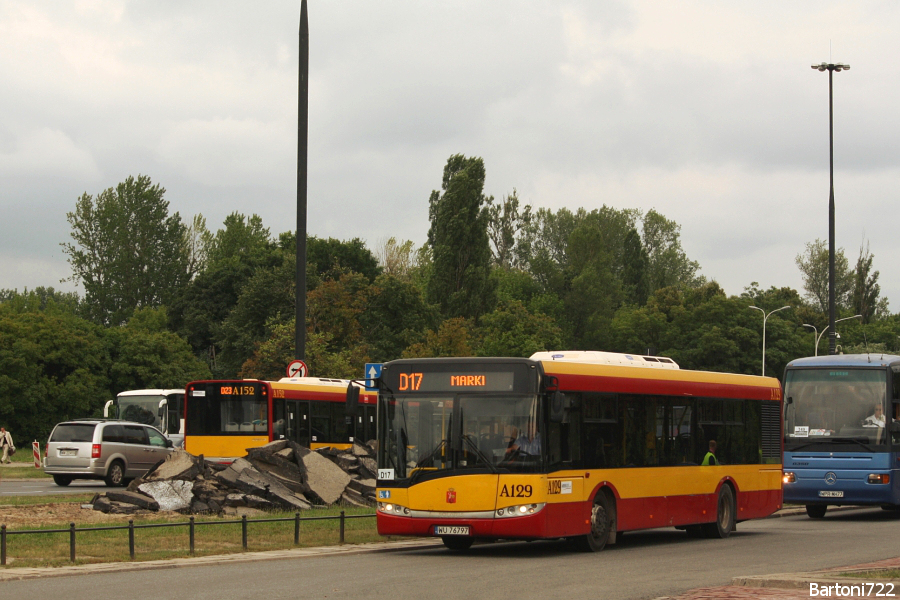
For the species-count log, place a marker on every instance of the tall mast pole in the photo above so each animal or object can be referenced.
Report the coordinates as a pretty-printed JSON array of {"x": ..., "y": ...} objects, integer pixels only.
[{"x": 302, "y": 148}]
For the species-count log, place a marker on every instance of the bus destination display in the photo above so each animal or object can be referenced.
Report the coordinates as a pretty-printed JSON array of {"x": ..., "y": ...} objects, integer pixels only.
[{"x": 490, "y": 381}]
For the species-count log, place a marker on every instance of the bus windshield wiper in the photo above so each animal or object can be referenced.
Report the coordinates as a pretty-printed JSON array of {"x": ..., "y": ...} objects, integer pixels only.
[
  {"x": 833, "y": 440},
  {"x": 480, "y": 454},
  {"x": 419, "y": 465}
]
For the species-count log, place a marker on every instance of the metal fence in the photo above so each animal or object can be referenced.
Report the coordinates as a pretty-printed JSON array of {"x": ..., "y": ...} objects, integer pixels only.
[{"x": 191, "y": 525}]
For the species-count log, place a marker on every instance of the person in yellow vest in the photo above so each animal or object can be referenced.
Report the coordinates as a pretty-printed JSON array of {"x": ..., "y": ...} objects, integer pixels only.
[{"x": 710, "y": 458}]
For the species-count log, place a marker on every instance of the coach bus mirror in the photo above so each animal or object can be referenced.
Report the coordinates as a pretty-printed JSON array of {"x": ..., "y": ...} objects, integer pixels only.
[
  {"x": 789, "y": 400},
  {"x": 352, "y": 399},
  {"x": 558, "y": 407}
]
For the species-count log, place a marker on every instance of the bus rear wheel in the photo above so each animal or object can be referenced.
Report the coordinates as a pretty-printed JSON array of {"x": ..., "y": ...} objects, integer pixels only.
[
  {"x": 601, "y": 525},
  {"x": 725, "y": 516},
  {"x": 816, "y": 511},
  {"x": 457, "y": 543}
]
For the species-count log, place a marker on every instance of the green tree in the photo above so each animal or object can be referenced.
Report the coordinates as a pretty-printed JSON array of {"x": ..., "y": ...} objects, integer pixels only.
[
  {"x": 634, "y": 272},
  {"x": 128, "y": 252},
  {"x": 53, "y": 367},
  {"x": 232, "y": 255},
  {"x": 395, "y": 317},
  {"x": 667, "y": 263},
  {"x": 813, "y": 264},
  {"x": 542, "y": 249},
  {"x": 146, "y": 355},
  {"x": 511, "y": 330},
  {"x": 460, "y": 279},
  {"x": 454, "y": 337},
  {"x": 866, "y": 289},
  {"x": 331, "y": 258},
  {"x": 397, "y": 259},
  {"x": 505, "y": 221},
  {"x": 266, "y": 299}
]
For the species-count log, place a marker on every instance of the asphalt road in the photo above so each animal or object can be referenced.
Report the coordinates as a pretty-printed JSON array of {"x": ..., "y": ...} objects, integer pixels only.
[
  {"x": 646, "y": 565},
  {"x": 45, "y": 487}
]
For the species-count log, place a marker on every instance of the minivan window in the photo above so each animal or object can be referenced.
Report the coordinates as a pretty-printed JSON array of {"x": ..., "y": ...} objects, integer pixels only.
[
  {"x": 135, "y": 434},
  {"x": 156, "y": 438},
  {"x": 73, "y": 432},
  {"x": 114, "y": 433}
]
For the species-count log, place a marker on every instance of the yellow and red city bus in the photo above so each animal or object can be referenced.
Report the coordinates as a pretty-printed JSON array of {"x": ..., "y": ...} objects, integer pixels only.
[
  {"x": 616, "y": 444},
  {"x": 223, "y": 418}
]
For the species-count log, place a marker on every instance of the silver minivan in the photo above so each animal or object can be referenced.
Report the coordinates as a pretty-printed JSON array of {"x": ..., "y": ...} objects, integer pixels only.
[{"x": 111, "y": 450}]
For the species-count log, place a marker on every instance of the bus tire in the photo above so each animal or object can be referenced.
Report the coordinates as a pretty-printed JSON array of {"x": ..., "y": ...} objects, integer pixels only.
[
  {"x": 601, "y": 525},
  {"x": 725, "y": 516},
  {"x": 457, "y": 543},
  {"x": 115, "y": 475},
  {"x": 816, "y": 511}
]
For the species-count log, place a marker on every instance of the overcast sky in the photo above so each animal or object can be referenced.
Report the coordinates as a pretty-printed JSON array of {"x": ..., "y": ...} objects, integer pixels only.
[{"x": 707, "y": 112}]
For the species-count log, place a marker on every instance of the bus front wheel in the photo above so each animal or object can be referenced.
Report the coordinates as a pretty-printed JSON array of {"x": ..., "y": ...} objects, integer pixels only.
[
  {"x": 457, "y": 543},
  {"x": 816, "y": 511},
  {"x": 725, "y": 516},
  {"x": 601, "y": 525}
]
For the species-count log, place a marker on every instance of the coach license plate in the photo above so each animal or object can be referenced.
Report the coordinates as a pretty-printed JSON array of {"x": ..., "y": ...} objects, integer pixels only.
[
  {"x": 831, "y": 494},
  {"x": 451, "y": 530}
]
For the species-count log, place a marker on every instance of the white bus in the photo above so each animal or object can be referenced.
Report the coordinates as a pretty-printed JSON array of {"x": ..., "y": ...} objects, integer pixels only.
[{"x": 164, "y": 409}]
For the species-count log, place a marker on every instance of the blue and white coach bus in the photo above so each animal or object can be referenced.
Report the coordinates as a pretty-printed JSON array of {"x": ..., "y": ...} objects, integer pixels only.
[{"x": 841, "y": 435}]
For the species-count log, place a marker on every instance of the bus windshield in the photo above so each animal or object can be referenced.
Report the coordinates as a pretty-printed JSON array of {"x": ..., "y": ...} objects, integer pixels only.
[
  {"x": 444, "y": 434},
  {"x": 140, "y": 409},
  {"x": 835, "y": 409}
]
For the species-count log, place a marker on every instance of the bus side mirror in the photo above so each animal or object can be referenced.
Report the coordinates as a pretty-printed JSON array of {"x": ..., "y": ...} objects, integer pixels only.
[
  {"x": 558, "y": 406},
  {"x": 352, "y": 399}
]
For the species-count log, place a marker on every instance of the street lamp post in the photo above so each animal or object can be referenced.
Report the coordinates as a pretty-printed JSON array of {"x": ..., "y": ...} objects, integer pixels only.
[
  {"x": 819, "y": 336},
  {"x": 831, "y": 68},
  {"x": 815, "y": 335},
  {"x": 766, "y": 318}
]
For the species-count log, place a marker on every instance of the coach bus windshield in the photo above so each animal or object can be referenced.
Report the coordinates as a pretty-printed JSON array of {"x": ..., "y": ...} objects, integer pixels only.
[
  {"x": 835, "y": 410},
  {"x": 427, "y": 436}
]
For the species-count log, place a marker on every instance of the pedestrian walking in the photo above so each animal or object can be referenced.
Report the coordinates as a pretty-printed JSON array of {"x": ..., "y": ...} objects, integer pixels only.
[{"x": 6, "y": 443}]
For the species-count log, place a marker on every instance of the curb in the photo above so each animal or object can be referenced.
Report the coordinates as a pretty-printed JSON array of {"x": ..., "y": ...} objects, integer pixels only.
[{"x": 15, "y": 574}]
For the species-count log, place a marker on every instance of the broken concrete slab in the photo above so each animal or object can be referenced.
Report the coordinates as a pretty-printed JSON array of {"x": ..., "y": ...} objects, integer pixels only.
[
  {"x": 171, "y": 495},
  {"x": 139, "y": 500},
  {"x": 326, "y": 480}
]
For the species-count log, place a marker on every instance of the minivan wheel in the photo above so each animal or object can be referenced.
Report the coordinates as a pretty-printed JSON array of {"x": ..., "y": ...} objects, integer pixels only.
[
  {"x": 62, "y": 480},
  {"x": 116, "y": 474}
]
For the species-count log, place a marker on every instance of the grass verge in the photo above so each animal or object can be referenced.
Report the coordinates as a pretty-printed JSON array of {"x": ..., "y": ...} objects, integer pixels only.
[
  {"x": 880, "y": 574},
  {"x": 22, "y": 473},
  {"x": 213, "y": 535},
  {"x": 51, "y": 499}
]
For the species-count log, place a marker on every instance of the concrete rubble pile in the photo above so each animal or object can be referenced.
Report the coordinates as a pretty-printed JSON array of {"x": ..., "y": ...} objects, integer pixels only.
[{"x": 281, "y": 475}]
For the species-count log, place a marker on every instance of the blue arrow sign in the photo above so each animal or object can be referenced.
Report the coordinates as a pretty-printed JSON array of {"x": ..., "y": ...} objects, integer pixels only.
[{"x": 373, "y": 372}]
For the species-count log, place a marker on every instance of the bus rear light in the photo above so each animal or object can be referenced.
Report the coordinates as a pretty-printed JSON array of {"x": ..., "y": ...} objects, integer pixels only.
[
  {"x": 879, "y": 478},
  {"x": 95, "y": 451},
  {"x": 788, "y": 477}
]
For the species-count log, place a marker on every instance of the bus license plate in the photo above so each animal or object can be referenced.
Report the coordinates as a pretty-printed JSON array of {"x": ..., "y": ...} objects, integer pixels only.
[
  {"x": 831, "y": 494},
  {"x": 451, "y": 530}
]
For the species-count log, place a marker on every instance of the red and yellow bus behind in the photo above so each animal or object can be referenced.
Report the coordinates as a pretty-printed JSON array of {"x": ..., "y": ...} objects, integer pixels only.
[{"x": 224, "y": 418}]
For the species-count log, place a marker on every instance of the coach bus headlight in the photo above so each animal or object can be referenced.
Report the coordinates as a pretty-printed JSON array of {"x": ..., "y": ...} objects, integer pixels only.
[
  {"x": 879, "y": 478},
  {"x": 788, "y": 477},
  {"x": 520, "y": 511}
]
